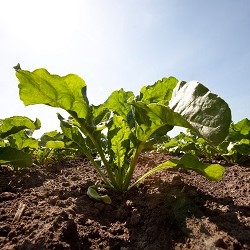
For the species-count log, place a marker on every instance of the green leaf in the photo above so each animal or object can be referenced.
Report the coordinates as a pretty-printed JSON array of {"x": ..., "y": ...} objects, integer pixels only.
[
  {"x": 241, "y": 147},
  {"x": 15, "y": 157},
  {"x": 213, "y": 172},
  {"x": 74, "y": 135},
  {"x": 163, "y": 166},
  {"x": 236, "y": 144},
  {"x": 118, "y": 102},
  {"x": 100, "y": 117},
  {"x": 15, "y": 124},
  {"x": 150, "y": 118},
  {"x": 161, "y": 91},
  {"x": 118, "y": 136},
  {"x": 55, "y": 144},
  {"x": 243, "y": 127},
  {"x": 51, "y": 136},
  {"x": 93, "y": 194},
  {"x": 66, "y": 92},
  {"x": 37, "y": 123},
  {"x": 21, "y": 140},
  {"x": 205, "y": 111}
]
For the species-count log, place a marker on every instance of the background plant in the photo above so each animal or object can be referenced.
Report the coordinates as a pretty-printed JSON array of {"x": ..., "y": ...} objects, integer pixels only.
[
  {"x": 53, "y": 147},
  {"x": 234, "y": 149},
  {"x": 236, "y": 146},
  {"x": 189, "y": 142},
  {"x": 16, "y": 142}
]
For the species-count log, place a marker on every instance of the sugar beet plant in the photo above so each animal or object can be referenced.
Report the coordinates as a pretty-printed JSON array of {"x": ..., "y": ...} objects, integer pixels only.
[
  {"x": 236, "y": 146},
  {"x": 119, "y": 129},
  {"x": 234, "y": 149},
  {"x": 18, "y": 149},
  {"x": 16, "y": 142}
]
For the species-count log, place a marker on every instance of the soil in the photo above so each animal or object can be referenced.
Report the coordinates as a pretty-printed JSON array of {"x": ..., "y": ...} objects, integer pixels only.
[{"x": 47, "y": 208}]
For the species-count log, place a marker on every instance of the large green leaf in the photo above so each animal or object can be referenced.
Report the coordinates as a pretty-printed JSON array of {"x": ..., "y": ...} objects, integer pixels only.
[
  {"x": 205, "y": 111},
  {"x": 66, "y": 92},
  {"x": 118, "y": 135}
]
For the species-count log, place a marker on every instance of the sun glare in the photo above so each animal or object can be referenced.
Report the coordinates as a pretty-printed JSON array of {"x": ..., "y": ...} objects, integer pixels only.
[{"x": 45, "y": 23}]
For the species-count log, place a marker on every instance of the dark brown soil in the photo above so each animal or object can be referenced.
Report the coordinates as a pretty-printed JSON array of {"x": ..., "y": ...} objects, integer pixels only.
[{"x": 170, "y": 210}]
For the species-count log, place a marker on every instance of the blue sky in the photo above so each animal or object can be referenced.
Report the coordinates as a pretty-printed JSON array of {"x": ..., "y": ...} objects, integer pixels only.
[{"x": 126, "y": 44}]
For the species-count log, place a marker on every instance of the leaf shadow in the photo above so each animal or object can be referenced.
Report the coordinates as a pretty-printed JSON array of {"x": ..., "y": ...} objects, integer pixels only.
[{"x": 185, "y": 201}]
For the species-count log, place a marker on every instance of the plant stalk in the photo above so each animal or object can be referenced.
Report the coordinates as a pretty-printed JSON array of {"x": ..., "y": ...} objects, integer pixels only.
[{"x": 132, "y": 165}]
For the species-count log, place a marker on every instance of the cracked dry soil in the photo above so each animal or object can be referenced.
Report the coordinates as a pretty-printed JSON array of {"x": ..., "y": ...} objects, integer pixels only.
[{"x": 47, "y": 208}]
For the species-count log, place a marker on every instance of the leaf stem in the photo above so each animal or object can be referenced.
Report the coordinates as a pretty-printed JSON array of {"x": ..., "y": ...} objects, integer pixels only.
[
  {"x": 87, "y": 133},
  {"x": 132, "y": 165},
  {"x": 104, "y": 160}
]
